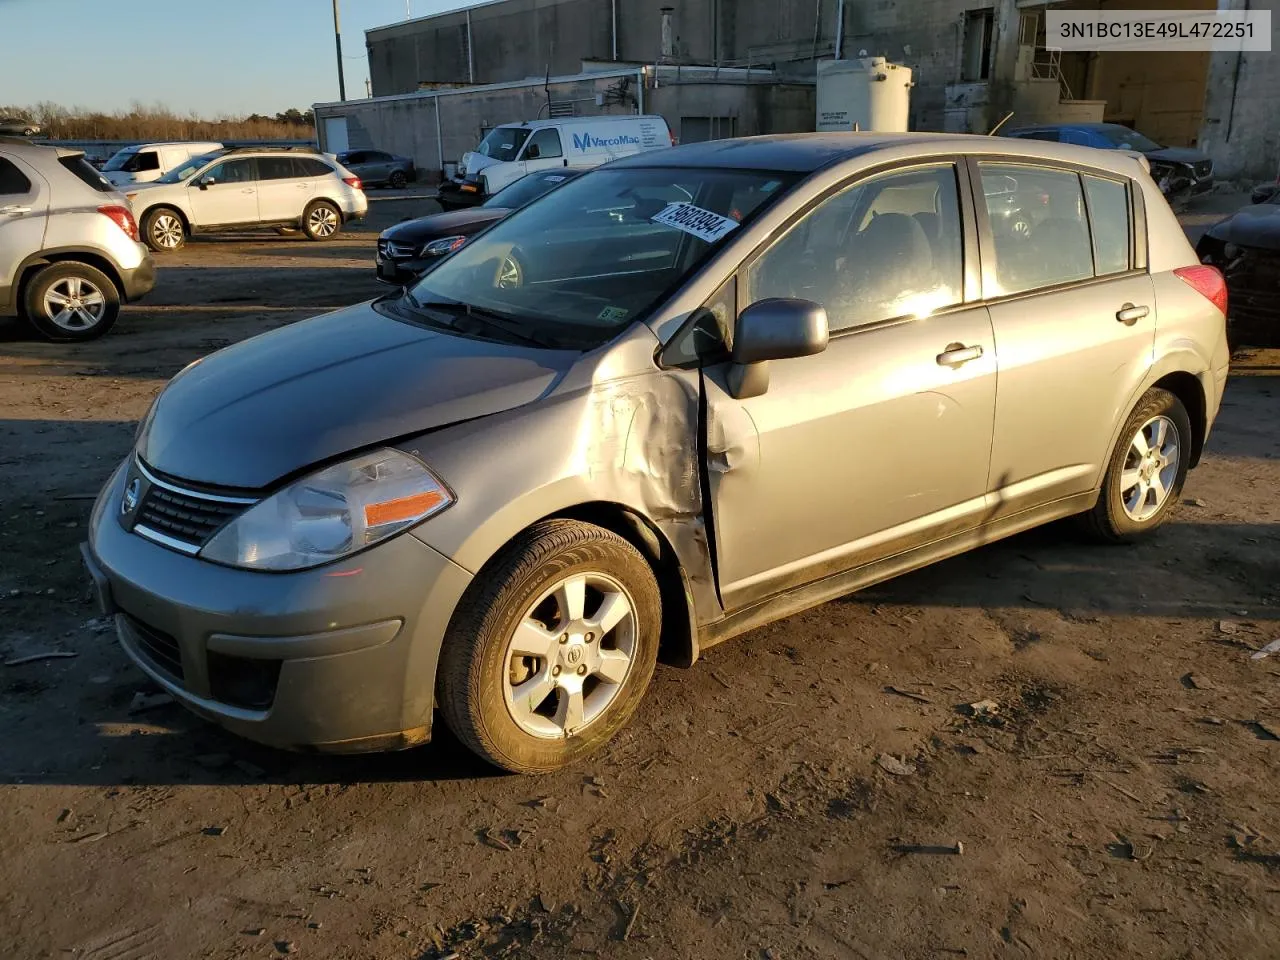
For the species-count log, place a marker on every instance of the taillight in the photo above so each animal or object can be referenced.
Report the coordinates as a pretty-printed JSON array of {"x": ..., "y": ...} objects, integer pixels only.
[
  {"x": 122, "y": 217},
  {"x": 353, "y": 182},
  {"x": 1206, "y": 281},
  {"x": 673, "y": 138}
]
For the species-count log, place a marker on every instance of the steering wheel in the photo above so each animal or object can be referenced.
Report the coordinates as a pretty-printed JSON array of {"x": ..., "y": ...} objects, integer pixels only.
[{"x": 510, "y": 272}]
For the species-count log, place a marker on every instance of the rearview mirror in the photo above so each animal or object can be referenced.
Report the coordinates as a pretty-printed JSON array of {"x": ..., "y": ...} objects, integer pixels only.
[{"x": 774, "y": 329}]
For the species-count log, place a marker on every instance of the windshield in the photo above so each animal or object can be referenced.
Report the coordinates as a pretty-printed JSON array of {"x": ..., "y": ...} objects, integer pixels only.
[
  {"x": 188, "y": 168},
  {"x": 119, "y": 161},
  {"x": 599, "y": 252},
  {"x": 526, "y": 190},
  {"x": 503, "y": 143},
  {"x": 1125, "y": 139}
]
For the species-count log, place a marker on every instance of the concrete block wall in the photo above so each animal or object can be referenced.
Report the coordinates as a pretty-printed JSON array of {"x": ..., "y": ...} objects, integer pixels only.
[{"x": 1239, "y": 128}]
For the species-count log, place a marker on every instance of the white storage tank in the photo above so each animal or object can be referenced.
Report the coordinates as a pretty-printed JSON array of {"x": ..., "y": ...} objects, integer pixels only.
[{"x": 870, "y": 92}]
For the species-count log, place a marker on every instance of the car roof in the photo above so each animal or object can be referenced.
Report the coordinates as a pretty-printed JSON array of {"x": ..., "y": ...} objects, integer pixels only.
[
  {"x": 563, "y": 121},
  {"x": 22, "y": 145},
  {"x": 808, "y": 152}
]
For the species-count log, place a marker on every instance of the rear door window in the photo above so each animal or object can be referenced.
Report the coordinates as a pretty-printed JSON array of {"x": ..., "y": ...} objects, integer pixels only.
[
  {"x": 1109, "y": 218},
  {"x": 275, "y": 168},
  {"x": 1039, "y": 227}
]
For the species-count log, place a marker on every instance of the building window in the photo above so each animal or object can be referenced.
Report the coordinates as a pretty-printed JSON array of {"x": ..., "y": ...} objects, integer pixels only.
[
  {"x": 700, "y": 129},
  {"x": 975, "y": 58}
]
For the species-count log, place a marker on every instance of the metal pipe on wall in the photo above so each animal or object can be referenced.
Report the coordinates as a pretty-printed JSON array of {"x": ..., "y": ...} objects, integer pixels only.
[
  {"x": 439, "y": 137},
  {"x": 613, "y": 10},
  {"x": 471, "y": 60},
  {"x": 337, "y": 40},
  {"x": 839, "y": 30}
]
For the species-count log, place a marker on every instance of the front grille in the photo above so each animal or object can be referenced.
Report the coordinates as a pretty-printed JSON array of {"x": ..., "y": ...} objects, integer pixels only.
[
  {"x": 390, "y": 250},
  {"x": 184, "y": 515},
  {"x": 160, "y": 649}
]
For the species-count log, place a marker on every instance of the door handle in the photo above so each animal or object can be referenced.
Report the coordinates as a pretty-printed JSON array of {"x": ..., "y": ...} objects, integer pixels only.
[
  {"x": 15, "y": 209},
  {"x": 958, "y": 353},
  {"x": 1129, "y": 314},
  {"x": 247, "y": 190}
]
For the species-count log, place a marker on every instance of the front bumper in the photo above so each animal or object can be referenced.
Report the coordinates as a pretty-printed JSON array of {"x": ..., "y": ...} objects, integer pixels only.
[
  {"x": 401, "y": 272},
  {"x": 346, "y": 653},
  {"x": 140, "y": 280}
]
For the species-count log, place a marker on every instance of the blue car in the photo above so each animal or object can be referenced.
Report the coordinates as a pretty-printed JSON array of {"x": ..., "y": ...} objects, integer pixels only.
[{"x": 1178, "y": 170}]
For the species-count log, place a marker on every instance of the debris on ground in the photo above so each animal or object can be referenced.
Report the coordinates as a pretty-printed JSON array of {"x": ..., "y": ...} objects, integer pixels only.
[
  {"x": 1264, "y": 652},
  {"x": 909, "y": 694},
  {"x": 148, "y": 701},
  {"x": 44, "y": 655},
  {"x": 213, "y": 831},
  {"x": 1228, "y": 627},
  {"x": 1198, "y": 681},
  {"x": 983, "y": 708},
  {"x": 891, "y": 764}
]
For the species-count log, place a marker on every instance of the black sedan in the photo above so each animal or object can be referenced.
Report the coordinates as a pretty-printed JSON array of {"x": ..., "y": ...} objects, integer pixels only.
[
  {"x": 409, "y": 248},
  {"x": 1246, "y": 248}
]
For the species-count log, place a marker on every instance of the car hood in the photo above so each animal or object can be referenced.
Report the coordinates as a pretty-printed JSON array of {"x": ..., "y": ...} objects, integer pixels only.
[
  {"x": 1255, "y": 226},
  {"x": 453, "y": 223},
  {"x": 277, "y": 403},
  {"x": 473, "y": 163},
  {"x": 1177, "y": 155}
]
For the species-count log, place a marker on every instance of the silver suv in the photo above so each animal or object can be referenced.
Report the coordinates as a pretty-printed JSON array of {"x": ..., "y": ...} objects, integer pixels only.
[
  {"x": 248, "y": 187},
  {"x": 69, "y": 250},
  {"x": 680, "y": 396}
]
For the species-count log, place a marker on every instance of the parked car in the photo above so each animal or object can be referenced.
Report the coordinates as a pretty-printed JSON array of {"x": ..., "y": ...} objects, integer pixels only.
[
  {"x": 148, "y": 162},
  {"x": 69, "y": 250},
  {"x": 248, "y": 188},
  {"x": 1178, "y": 170},
  {"x": 375, "y": 167},
  {"x": 508, "y": 152},
  {"x": 410, "y": 247},
  {"x": 681, "y": 396},
  {"x": 1246, "y": 248},
  {"x": 18, "y": 127}
]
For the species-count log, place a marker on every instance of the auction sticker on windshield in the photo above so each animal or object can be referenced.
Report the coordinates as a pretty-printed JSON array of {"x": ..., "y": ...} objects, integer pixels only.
[{"x": 703, "y": 224}]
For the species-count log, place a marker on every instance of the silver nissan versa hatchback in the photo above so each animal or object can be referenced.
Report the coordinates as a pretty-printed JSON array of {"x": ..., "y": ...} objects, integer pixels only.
[{"x": 681, "y": 396}]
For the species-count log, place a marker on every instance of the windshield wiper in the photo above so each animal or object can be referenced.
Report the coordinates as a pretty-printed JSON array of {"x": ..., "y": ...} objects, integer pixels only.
[{"x": 490, "y": 318}]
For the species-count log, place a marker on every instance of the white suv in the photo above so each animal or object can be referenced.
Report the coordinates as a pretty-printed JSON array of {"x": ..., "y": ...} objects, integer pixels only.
[{"x": 248, "y": 188}]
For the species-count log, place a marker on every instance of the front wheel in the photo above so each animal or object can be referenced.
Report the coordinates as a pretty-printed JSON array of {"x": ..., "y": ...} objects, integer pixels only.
[
  {"x": 1146, "y": 472},
  {"x": 321, "y": 220},
  {"x": 550, "y": 652},
  {"x": 71, "y": 301},
  {"x": 163, "y": 229}
]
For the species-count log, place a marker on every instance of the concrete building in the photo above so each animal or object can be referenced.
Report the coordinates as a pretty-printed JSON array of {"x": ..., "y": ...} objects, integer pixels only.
[{"x": 739, "y": 67}]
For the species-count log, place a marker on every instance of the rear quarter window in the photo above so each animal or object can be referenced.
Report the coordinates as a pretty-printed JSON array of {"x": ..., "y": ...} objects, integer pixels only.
[
  {"x": 311, "y": 167},
  {"x": 80, "y": 168},
  {"x": 12, "y": 180}
]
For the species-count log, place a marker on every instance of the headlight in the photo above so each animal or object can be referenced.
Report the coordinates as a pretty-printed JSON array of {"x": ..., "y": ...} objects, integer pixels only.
[
  {"x": 1230, "y": 251},
  {"x": 331, "y": 513},
  {"x": 438, "y": 248}
]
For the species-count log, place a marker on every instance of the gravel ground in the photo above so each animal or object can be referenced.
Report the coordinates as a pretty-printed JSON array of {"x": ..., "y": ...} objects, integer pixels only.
[{"x": 817, "y": 788}]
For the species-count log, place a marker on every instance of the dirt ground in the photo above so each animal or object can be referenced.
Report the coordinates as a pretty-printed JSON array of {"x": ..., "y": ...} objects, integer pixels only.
[{"x": 818, "y": 788}]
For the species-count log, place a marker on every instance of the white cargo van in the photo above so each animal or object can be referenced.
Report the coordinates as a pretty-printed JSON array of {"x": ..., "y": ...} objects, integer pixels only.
[
  {"x": 510, "y": 151},
  {"x": 151, "y": 161}
]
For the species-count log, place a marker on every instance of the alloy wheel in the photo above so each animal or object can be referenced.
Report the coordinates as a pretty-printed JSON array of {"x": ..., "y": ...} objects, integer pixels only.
[
  {"x": 568, "y": 659},
  {"x": 1150, "y": 468},
  {"x": 323, "y": 222},
  {"x": 166, "y": 231},
  {"x": 74, "y": 304}
]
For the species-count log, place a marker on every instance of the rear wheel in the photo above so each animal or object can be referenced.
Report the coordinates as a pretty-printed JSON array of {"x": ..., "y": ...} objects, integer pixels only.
[
  {"x": 550, "y": 652},
  {"x": 163, "y": 229},
  {"x": 321, "y": 220},
  {"x": 71, "y": 301},
  {"x": 1146, "y": 472},
  {"x": 397, "y": 179}
]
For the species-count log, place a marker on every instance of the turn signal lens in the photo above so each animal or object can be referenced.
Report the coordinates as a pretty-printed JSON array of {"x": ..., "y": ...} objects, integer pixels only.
[{"x": 402, "y": 508}]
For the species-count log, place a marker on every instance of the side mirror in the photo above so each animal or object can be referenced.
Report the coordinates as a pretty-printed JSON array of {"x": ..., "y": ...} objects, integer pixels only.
[
  {"x": 774, "y": 329},
  {"x": 204, "y": 183},
  {"x": 533, "y": 152}
]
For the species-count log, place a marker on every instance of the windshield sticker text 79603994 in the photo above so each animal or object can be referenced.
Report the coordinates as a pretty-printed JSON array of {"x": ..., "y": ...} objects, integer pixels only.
[{"x": 692, "y": 219}]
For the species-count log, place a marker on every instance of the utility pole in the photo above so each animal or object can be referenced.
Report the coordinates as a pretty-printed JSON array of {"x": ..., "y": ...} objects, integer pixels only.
[{"x": 337, "y": 40}]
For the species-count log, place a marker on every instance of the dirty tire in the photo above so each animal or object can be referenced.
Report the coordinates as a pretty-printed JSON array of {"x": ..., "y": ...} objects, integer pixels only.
[
  {"x": 397, "y": 179},
  {"x": 163, "y": 230},
  {"x": 1108, "y": 521},
  {"x": 321, "y": 221},
  {"x": 46, "y": 300},
  {"x": 475, "y": 659}
]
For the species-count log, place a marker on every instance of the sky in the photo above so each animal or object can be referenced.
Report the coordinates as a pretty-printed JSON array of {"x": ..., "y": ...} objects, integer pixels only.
[{"x": 232, "y": 57}]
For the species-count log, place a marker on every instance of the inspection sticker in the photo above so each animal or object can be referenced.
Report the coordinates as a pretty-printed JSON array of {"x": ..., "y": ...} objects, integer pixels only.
[
  {"x": 610, "y": 314},
  {"x": 692, "y": 219}
]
